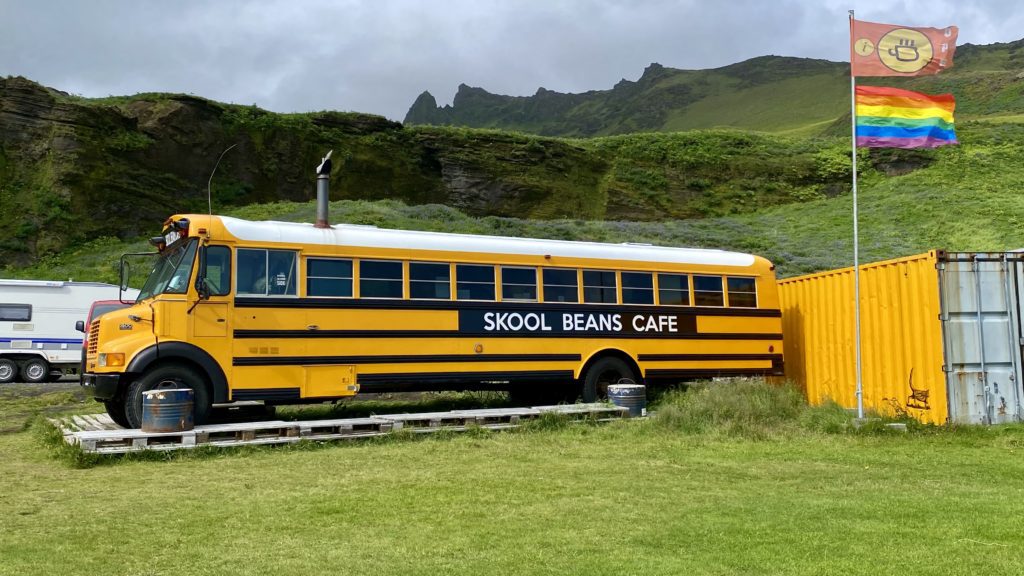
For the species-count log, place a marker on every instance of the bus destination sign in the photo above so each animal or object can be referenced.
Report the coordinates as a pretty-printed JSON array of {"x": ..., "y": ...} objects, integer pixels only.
[{"x": 582, "y": 323}]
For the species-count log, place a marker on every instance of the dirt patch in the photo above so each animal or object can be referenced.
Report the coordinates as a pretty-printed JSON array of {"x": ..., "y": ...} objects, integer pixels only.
[{"x": 16, "y": 390}]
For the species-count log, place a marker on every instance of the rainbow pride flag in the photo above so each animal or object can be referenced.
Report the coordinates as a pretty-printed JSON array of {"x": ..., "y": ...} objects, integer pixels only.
[{"x": 894, "y": 118}]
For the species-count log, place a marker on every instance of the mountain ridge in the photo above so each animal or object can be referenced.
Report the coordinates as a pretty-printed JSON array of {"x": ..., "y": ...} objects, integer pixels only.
[{"x": 769, "y": 93}]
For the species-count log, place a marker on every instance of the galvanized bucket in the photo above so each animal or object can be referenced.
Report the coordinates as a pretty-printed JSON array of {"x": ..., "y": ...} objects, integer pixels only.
[
  {"x": 632, "y": 396},
  {"x": 167, "y": 410}
]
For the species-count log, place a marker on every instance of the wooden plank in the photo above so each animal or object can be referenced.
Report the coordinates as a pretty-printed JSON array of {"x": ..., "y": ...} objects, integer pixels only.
[{"x": 97, "y": 438}]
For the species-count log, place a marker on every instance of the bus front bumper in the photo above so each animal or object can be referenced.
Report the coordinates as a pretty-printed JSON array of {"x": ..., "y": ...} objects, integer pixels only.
[{"x": 101, "y": 386}]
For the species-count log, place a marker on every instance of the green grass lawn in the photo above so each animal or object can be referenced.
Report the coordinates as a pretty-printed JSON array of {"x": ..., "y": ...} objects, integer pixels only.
[{"x": 709, "y": 487}]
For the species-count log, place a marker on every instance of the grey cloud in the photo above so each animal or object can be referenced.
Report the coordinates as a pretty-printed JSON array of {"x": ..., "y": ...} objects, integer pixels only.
[{"x": 376, "y": 56}]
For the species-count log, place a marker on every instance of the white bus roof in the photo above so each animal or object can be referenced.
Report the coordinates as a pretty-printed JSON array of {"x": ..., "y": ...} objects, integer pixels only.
[
  {"x": 51, "y": 283},
  {"x": 373, "y": 237}
]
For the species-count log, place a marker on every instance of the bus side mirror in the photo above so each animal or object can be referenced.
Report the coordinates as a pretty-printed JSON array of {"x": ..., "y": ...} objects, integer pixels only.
[
  {"x": 80, "y": 326},
  {"x": 126, "y": 273},
  {"x": 203, "y": 288}
]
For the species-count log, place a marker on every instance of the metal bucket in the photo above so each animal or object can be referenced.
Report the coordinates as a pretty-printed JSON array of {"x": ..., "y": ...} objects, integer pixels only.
[
  {"x": 167, "y": 410},
  {"x": 632, "y": 396}
]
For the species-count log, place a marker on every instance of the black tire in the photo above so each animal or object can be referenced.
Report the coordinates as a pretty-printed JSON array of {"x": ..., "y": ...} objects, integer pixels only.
[
  {"x": 169, "y": 376},
  {"x": 115, "y": 409},
  {"x": 35, "y": 371},
  {"x": 605, "y": 371},
  {"x": 8, "y": 370}
]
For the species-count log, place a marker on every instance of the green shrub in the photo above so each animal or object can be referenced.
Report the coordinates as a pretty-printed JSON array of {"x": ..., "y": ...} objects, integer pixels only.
[{"x": 731, "y": 407}]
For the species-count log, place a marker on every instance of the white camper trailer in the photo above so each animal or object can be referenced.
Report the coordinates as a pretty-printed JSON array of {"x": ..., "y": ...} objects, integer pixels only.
[{"x": 38, "y": 340}]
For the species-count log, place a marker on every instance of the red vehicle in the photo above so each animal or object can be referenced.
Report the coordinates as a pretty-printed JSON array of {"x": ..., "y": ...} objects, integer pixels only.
[{"x": 98, "y": 308}]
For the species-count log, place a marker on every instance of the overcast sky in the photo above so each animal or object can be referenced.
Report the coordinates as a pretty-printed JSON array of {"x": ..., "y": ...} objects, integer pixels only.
[{"x": 378, "y": 55}]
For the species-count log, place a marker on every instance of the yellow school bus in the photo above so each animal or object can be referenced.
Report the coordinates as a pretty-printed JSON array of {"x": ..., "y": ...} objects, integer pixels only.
[{"x": 289, "y": 313}]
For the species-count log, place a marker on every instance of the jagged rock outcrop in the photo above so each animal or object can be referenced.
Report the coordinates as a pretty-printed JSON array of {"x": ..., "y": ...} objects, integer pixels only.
[{"x": 426, "y": 111}]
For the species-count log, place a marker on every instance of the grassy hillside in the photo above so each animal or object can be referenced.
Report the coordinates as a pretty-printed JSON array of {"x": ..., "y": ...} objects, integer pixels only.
[
  {"x": 775, "y": 135},
  {"x": 966, "y": 198},
  {"x": 768, "y": 93},
  {"x": 68, "y": 163}
]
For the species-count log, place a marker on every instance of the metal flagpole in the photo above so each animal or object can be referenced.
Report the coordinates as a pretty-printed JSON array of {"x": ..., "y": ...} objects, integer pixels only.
[{"x": 856, "y": 246}]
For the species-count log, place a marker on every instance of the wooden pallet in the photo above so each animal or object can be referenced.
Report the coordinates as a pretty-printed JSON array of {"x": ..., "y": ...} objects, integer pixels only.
[{"x": 97, "y": 433}]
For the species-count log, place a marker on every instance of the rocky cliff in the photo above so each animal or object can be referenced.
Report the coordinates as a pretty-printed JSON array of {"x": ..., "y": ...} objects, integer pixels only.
[{"x": 73, "y": 169}]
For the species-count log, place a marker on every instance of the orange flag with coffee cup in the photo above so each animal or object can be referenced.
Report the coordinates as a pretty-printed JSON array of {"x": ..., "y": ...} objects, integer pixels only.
[{"x": 890, "y": 50}]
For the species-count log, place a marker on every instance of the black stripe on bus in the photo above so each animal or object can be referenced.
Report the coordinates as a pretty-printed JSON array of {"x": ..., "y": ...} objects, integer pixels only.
[
  {"x": 282, "y": 334},
  {"x": 400, "y": 359},
  {"x": 280, "y": 394},
  {"x": 461, "y": 377},
  {"x": 698, "y": 357},
  {"x": 392, "y": 304},
  {"x": 683, "y": 373}
]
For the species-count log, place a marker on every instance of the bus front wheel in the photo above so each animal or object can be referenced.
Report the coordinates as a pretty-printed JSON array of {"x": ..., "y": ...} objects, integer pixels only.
[
  {"x": 605, "y": 371},
  {"x": 115, "y": 409},
  {"x": 167, "y": 376}
]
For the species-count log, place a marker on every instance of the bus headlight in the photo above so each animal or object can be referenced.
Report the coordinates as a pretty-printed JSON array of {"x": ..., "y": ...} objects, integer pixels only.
[{"x": 108, "y": 360}]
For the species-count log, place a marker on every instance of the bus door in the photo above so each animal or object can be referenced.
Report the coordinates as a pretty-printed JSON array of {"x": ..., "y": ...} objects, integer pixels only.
[{"x": 211, "y": 317}]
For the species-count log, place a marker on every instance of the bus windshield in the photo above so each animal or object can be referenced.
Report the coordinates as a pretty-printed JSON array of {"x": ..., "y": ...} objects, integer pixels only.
[{"x": 171, "y": 272}]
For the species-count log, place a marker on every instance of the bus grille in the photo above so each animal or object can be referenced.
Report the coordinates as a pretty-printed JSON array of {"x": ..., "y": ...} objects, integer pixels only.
[{"x": 94, "y": 336}]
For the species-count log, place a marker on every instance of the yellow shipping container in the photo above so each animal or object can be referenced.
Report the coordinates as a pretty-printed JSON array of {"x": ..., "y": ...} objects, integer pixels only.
[{"x": 901, "y": 336}]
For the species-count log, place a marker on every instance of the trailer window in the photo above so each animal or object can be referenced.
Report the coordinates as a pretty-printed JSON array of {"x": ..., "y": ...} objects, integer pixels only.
[
  {"x": 673, "y": 289},
  {"x": 561, "y": 285},
  {"x": 474, "y": 282},
  {"x": 380, "y": 279},
  {"x": 519, "y": 284},
  {"x": 742, "y": 293},
  {"x": 430, "y": 281},
  {"x": 637, "y": 288},
  {"x": 707, "y": 291},
  {"x": 329, "y": 277},
  {"x": 599, "y": 287},
  {"x": 15, "y": 312}
]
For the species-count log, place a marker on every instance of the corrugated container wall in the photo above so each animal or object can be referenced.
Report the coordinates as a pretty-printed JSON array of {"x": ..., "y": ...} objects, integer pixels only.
[{"x": 902, "y": 336}]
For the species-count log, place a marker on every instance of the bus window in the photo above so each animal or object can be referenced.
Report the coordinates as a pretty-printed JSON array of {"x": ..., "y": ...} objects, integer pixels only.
[
  {"x": 178, "y": 282},
  {"x": 599, "y": 287},
  {"x": 329, "y": 277},
  {"x": 637, "y": 288},
  {"x": 253, "y": 277},
  {"x": 474, "y": 282},
  {"x": 218, "y": 270},
  {"x": 380, "y": 279},
  {"x": 561, "y": 285},
  {"x": 673, "y": 289},
  {"x": 707, "y": 291},
  {"x": 519, "y": 284},
  {"x": 429, "y": 281},
  {"x": 742, "y": 293}
]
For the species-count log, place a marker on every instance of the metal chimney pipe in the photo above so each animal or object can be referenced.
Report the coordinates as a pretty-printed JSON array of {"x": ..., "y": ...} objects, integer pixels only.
[{"x": 323, "y": 189}]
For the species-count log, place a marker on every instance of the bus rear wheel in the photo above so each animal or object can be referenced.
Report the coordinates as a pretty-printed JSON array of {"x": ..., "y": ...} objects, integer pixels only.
[
  {"x": 167, "y": 376},
  {"x": 605, "y": 371}
]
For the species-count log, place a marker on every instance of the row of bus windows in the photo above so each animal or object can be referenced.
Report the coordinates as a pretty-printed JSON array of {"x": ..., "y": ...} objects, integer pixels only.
[{"x": 272, "y": 272}]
